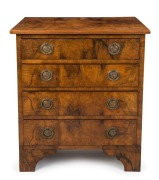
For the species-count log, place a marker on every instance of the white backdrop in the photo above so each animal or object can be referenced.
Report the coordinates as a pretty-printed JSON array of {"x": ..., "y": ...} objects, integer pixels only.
[{"x": 71, "y": 165}]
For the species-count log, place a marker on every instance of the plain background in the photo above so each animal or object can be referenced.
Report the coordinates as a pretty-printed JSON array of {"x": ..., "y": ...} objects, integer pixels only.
[{"x": 77, "y": 165}]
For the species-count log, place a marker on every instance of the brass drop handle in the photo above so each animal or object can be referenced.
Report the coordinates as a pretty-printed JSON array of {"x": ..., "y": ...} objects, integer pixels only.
[
  {"x": 112, "y": 132},
  {"x": 48, "y": 132},
  {"x": 112, "y": 104},
  {"x": 113, "y": 75},
  {"x": 114, "y": 48},
  {"x": 46, "y": 48},
  {"x": 46, "y": 75},
  {"x": 47, "y": 103}
]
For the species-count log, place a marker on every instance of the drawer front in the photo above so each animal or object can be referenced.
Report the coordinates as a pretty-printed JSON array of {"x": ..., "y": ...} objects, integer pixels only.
[
  {"x": 41, "y": 132},
  {"x": 97, "y": 132},
  {"x": 79, "y": 103},
  {"x": 80, "y": 75},
  {"x": 79, "y": 132},
  {"x": 80, "y": 49}
]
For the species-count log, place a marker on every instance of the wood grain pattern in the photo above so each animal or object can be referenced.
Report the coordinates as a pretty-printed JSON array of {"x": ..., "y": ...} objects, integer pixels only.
[
  {"x": 80, "y": 103},
  {"x": 20, "y": 96},
  {"x": 32, "y": 104},
  {"x": 75, "y": 117},
  {"x": 97, "y": 75},
  {"x": 80, "y": 76},
  {"x": 101, "y": 25},
  {"x": 80, "y": 87},
  {"x": 33, "y": 132},
  {"x": 30, "y": 155},
  {"x": 80, "y": 36},
  {"x": 140, "y": 96},
  {"x": 79, "y": 61},
  {"x": 94, "y": 132},
  {"x": 79, "y": 147},
  {"x": 130, "y": 156},
  {"x": 80, "y": 49},
  {"x": 31, "y": 76}
]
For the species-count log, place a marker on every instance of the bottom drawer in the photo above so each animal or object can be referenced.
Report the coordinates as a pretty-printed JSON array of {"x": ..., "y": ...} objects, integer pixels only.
[{"x": 79, "y": 132}]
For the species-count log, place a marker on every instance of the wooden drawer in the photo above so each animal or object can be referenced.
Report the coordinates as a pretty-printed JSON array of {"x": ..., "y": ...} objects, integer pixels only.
[
  {"x": 97, "y": 132},
  {"x": 80, "y": 75},
  {"x": 79, "y": 132},
  {"x": 41, "y": 132},
  {"x": 95, "y": 48},
  {"x": 36, "y": 104}
]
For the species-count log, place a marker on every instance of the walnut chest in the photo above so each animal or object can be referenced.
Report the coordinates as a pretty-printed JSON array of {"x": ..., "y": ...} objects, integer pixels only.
[{"x": 80, "y": 86}]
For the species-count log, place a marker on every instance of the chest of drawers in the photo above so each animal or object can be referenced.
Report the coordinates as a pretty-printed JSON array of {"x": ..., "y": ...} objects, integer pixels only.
[{"x": 80, "y": 86}]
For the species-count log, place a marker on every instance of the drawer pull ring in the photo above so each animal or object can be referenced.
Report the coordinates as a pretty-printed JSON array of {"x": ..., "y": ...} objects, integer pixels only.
[
  {"x": 112, "y": 104},
  {"x": 46, "y": 103},
  {"x": 113, "y": 75},
  {"x": 46, "y": 75},
  {"x": 114, "y": 48},
  {"x": 112, "y": 132},
  {"x": 48, "y": 133},
  {"x": 46, "y": 48}
]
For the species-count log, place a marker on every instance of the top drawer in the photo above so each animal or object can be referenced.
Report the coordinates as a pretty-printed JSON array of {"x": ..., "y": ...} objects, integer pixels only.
[{"x": 75, "y": 49}]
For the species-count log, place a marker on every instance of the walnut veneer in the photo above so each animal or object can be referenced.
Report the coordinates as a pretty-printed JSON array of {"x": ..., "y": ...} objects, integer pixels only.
[{"x": 80, "y": 86}]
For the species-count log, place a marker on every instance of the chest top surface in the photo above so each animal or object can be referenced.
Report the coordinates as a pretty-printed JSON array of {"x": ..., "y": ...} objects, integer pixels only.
[{"x": 71, "y": 25}]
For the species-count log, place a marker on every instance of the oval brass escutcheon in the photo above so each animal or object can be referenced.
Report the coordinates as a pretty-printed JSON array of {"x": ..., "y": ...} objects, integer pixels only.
[
  {"x": 112, "y": 103},
  {"x": 112, "y": 132},
  {"x": 46, "y": 75},
  {"x": 46, "y": 48},
  {"x": 114, "y": 48},
  {"x": 113, "y": 75},
  {"x": 46, "y": 103},
  {"x": 48, "y": 133}
]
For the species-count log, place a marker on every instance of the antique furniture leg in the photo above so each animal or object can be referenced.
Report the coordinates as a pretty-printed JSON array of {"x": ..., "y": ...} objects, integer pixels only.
[
  {"x": 130, "y": 156},
  {"x": 30, "y": 155}
]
